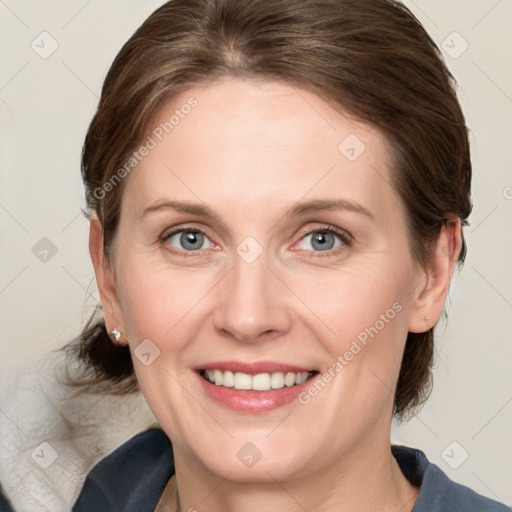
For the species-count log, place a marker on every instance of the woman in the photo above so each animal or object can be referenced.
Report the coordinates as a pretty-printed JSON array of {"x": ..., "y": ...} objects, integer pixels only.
[{"x": 277, "y": 192}]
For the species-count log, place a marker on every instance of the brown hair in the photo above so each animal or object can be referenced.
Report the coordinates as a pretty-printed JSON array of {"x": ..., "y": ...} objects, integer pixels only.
[{"x": 371, "y": 58}]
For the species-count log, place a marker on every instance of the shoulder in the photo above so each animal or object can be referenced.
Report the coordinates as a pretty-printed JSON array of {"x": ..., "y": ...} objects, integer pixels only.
[
  {"x": 438, "y": 493},
  {"x": 5, "y": 506},
  {"x": 132, "y": 477}
]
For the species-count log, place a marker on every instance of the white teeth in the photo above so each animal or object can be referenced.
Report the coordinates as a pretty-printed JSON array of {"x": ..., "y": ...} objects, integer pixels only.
[
  {"x": 289, "y": 380},
  {"x": 277, "y": 380},
  {"x": 258, "y": 382},
  {"x": 301, "y": 377},
  {"x": 242, "y": 381},
  {"x": 228, "y": 379},
  {"x": 261, "y": 382}
]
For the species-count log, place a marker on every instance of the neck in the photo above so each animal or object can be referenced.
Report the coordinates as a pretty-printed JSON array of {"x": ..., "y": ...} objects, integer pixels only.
[{"x": 367, "y": 478}]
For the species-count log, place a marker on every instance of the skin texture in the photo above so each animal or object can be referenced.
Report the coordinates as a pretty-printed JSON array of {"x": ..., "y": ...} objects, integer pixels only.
[{"x": 250, "y": 151}]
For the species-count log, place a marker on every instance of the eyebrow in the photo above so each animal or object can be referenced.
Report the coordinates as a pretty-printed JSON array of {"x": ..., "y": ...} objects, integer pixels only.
[
  {"x": 297, "y": 209},
  {"x": 329, "y": 204},
  {"x": 190, "y": 208}
]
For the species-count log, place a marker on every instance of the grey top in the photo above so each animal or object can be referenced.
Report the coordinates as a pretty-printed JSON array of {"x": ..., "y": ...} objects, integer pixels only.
[{"x": 133, "y": 477}]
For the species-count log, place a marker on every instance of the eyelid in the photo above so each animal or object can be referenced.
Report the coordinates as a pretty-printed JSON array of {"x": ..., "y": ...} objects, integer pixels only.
[
  {"x": 346, "y": 240},
  {"x": 344, "y": 235},
  {"x": 183, "y": 228}
]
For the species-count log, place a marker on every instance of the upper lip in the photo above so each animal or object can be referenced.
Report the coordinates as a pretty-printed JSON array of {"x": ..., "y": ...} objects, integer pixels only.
[{"x": 253, "y": 368}]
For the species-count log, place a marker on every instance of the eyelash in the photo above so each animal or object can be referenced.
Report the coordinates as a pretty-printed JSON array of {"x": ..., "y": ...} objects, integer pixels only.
[{"x": 345, "y": 238}]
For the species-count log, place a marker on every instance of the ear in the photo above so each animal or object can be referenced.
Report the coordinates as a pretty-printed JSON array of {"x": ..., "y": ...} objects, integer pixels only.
[
  {"x": 105, "y": 280},
  {"x": 434, "y": 281}
]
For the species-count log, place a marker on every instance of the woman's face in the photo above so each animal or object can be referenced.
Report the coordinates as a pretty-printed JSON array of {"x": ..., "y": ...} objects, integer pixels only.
[{"x": 285, "y": 252}]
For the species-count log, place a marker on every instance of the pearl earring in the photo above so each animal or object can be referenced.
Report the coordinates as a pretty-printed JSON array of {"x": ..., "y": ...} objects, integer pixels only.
[{"x": 115, "y": 334}]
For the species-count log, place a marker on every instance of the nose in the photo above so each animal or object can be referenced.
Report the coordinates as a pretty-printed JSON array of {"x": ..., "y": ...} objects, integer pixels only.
[{"x": 252, "y": 302}]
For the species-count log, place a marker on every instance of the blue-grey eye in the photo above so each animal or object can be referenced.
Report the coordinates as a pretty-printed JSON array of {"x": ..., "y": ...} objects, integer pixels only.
[
  {"x": 321, "y": 240},
  {"x": 189, "y": 240}
]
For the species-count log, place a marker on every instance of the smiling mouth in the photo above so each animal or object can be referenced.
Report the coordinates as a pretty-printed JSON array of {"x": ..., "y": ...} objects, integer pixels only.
[{"x": 258, "y": 382}]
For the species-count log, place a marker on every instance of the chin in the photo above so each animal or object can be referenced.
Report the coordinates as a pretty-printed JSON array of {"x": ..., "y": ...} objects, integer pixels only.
[{"x": 255, "y": 457}]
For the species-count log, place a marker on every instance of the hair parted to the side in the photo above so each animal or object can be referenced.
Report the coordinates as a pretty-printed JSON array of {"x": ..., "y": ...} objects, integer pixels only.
[{"x": 371, "y": 59}]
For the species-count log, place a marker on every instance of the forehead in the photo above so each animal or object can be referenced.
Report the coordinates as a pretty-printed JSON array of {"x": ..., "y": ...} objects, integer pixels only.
[{"x": 238, "y": 143}]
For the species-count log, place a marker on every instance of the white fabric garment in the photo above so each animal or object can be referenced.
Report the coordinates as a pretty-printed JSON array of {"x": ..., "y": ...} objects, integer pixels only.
[{"x": 50, "y": 440}]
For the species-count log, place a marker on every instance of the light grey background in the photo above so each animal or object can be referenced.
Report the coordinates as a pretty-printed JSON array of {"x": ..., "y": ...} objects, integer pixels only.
[{"x": 45, "y": 107}]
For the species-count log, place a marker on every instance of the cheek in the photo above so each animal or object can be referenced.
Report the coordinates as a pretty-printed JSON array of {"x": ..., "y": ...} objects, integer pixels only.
[
  {"x": 349, "y": 301},
  {"x": 156, "y": 301},
  {"x": 360, "y": 316}
]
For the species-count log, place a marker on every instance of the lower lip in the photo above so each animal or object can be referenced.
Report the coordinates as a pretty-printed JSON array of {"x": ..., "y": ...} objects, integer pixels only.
[{"x": 253, "y": 401}]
